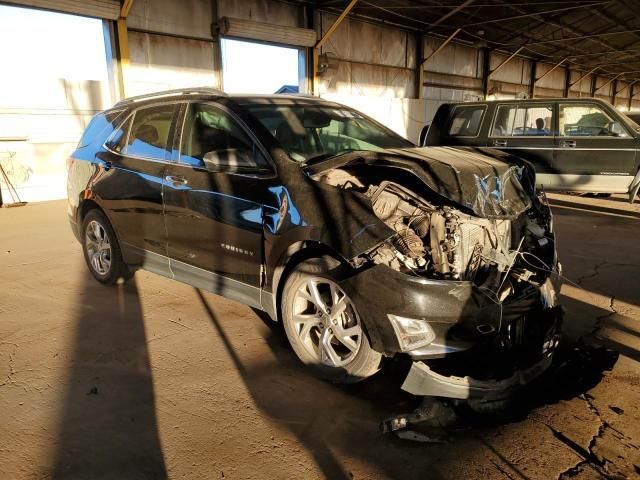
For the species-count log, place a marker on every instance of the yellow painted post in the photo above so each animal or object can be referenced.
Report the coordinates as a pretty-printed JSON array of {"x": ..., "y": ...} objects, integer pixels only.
[
  {"x": 123, "y": 45},
  {"x": 123, "y": 48}
]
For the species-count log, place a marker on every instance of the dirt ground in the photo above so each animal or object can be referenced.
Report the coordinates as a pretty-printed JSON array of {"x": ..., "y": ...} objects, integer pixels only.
[{"x": 156, "y": 379}]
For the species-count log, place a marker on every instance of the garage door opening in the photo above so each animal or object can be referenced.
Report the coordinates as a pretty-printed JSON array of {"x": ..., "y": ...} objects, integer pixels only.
[
  {"x": 56, "y": 76},
  {"x": 251, "y": 67}
]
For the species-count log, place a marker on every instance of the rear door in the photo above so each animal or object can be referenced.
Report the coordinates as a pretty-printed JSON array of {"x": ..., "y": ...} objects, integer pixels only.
[
  {"x": 214, "y": 197},
  {"x": 527, "y": 131},
  {"x": 131, "y": 187},
  {"x": 595, "y": 151}
]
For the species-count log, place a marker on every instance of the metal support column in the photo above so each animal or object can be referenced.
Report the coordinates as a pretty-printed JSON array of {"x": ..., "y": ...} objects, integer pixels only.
[
  {"x": 310, "y": 60},
  {"x": 532, "y": 78},
  {"x": 567, "y": 82},
  {"x": 419, "y": 80},
  {"x": 123, "y": 46},
  {"x": 217, "y": 46},
  {"x": 486, "y": 62}
]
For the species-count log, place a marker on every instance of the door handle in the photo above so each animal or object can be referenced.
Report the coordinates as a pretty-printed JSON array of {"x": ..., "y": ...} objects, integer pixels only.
[
  {"x": 499, "y": 143},
  {"x": 176, "y": 181},
  {"x": 568, "y": 144}
]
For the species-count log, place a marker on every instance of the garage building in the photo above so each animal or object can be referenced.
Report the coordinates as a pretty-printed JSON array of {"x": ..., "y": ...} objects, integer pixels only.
[{"x": 157, "y": 379}]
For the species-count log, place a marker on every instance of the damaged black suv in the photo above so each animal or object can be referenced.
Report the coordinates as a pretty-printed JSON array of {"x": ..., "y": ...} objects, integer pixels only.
[{"x": 361, "y": 244}]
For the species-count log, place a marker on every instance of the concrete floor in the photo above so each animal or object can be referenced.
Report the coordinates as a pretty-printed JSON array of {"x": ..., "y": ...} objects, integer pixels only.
[{"x": 156, "y": 379}]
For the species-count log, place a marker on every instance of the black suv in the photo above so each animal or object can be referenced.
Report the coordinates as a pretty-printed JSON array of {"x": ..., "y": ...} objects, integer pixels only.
[
  {"x": 575, "y": 144},
  {"x": 361, "y": 244}
]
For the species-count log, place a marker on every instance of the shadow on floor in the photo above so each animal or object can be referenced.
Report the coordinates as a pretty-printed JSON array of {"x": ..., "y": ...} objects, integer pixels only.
[
  {"x": 108, "y": 425},
  {"x": 328, "y": 419}
]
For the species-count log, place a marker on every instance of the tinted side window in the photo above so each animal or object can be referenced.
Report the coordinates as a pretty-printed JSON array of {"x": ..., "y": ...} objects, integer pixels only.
[
  {"x": 211, "y": 137},
  {"x": 99, "y": 124},
  {"x": 118, "y": 139},
  {"x": 588, "y": 121},
  {"x": 149, "y": 132},
  {"x": 466, "y": 121},
  {"x": 519, "y": 120}
]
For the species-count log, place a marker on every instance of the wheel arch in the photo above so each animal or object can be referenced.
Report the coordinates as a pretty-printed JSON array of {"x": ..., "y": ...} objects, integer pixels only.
[
  {"x": 89, "y": 204},
  {"x": 296, "y": 254},
  {"x": 86, "y": 206}
]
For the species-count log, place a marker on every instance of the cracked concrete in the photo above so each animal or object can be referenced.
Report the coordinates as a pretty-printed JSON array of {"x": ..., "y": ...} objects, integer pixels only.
[{"x": 153, "y": 381}]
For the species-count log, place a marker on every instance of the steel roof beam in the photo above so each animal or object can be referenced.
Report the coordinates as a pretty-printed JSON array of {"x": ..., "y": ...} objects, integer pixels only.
[
  {"x": 442, "y": 45},
  {"x": 495, "y": 70},
  {"x": 607, "y": 83},
  {"x": 457, "y": 9},
  {"x": 336, "y": 24},
  {"x": 550, "y": 70},
  {"x": 582, "y": 77}
]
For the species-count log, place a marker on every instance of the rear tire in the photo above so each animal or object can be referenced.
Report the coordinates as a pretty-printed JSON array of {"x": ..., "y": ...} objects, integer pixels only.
[
  {"x": 323, "y": 326},
  {"x": 102, "y": 250}
]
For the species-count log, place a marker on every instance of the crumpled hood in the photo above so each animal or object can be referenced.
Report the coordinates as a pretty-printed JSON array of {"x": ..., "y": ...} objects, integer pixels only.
[{"x": 490, "y": 183}]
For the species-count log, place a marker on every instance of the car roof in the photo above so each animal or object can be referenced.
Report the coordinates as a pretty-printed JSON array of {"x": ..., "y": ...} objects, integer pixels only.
[
  {"x": 535, "y": 100},
  {"x": 207, "y": 92}
]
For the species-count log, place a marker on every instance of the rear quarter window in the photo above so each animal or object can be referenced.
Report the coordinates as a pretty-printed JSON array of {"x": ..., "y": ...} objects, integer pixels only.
[
  {"x": 101, "y": 125},
  {"x": 466, "y": 121}
]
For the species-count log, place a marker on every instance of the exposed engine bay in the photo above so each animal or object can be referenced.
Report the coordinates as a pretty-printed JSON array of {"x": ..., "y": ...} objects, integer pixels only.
[{"x": 437, "y": 239}]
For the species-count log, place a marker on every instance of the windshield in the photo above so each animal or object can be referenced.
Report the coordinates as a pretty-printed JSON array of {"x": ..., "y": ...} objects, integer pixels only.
[{"x": 309, "y": 132}]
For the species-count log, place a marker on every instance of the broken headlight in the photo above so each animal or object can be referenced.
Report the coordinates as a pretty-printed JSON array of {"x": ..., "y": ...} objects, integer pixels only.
[{"x": 411, "y": 333}]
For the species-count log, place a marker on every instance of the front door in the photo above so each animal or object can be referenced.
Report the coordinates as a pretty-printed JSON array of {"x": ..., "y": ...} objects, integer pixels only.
[
  {"x": 131, "y": 189},
  {"x": 527, "y": 131},
  {"x": 594, "y": 151},
  {"x": 214, "y": 196}
]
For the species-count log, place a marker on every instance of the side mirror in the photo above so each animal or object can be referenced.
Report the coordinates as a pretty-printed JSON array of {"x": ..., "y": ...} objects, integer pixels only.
[{"x": 232, "y": 160}]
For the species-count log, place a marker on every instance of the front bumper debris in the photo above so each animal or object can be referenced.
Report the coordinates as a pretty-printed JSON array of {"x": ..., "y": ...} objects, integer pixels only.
[{"x": 421, "y": 380}]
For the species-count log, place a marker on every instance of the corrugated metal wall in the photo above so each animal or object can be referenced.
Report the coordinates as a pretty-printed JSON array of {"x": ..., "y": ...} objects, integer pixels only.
[
  {"x": 367, "y": 60},
  {"x": 171, "y": 45},
  {"x": 370, "y": 66}
]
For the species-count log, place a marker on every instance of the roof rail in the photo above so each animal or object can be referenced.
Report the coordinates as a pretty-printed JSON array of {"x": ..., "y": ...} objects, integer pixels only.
[{"x": 171, "y": 93}]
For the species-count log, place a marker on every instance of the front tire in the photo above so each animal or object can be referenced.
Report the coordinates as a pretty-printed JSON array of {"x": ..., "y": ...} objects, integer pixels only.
[
  {"x": 323, "y": 325},
  {"x": 102, "y": 251}
]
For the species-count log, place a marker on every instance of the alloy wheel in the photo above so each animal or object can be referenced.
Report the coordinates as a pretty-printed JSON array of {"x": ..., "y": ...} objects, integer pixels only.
[
  {"x": 98, "y": 247},
  {"x": 326, "y": 322}
]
